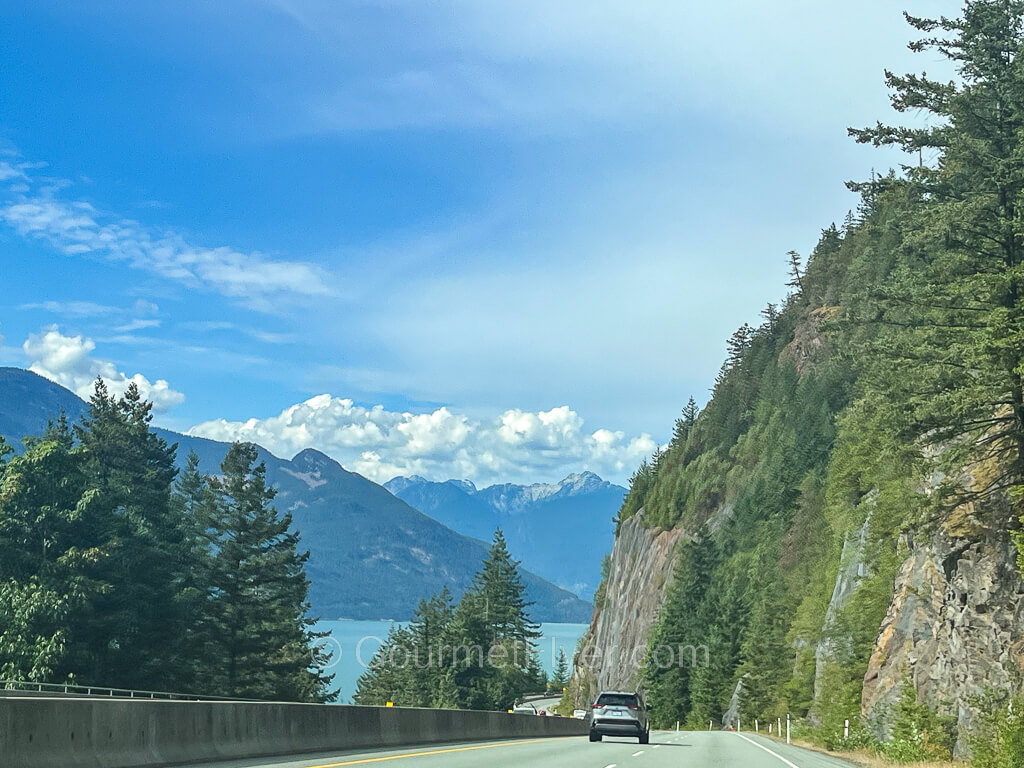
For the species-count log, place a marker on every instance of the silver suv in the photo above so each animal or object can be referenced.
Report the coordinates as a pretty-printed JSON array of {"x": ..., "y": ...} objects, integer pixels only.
[{"x": 616, "y": 713}]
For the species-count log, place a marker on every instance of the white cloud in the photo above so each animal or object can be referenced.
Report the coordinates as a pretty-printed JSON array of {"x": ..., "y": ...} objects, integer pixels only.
[
  {"x": 67, "y": 360},
  {"x": 77, "y": 228},
  {"x": 380, "y": 444}
]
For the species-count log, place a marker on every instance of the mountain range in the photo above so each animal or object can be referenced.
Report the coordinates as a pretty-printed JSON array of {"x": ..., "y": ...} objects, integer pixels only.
[
  {"x": 560, "y": 530},
  {"x": 372, "y": 556}
]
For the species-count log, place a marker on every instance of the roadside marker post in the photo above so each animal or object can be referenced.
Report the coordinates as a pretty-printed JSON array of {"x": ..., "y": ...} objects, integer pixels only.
[
  {"x": 677, "y": 726},
  {"x": 757, "y": 726},
  {"x": 778, "y": 727},
  {"x": 846, "y": 730},
  {"x": 787, "y": 729}
]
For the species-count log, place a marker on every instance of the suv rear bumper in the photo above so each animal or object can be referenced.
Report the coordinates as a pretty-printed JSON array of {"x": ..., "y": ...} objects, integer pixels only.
[{"x": 616, "y": 727}]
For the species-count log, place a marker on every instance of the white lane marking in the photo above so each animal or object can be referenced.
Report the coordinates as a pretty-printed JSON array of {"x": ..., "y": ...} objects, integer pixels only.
[
  {"x": 656, "y": 746},
  {"x": 770, "y": 752},
  {"x": 610, "y": 766},
  {"x": 637, "y": 754}
]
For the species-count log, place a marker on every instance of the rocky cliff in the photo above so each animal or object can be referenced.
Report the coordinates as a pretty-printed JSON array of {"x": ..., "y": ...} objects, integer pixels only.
[
  {"x": 612, "y": 652},
  {"x": 954, "y": 626}
]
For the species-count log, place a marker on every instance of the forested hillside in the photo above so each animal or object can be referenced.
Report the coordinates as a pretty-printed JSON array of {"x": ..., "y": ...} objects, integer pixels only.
[{"x": 850, "y": 493}]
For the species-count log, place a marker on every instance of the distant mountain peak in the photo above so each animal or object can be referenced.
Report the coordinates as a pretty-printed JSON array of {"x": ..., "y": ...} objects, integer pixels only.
[
  {"x": 310, "y": 456},
  {"x": 582, "y": 482},
  {"x": 398, "y": 484},
  {"x": 463, "y": 485}
]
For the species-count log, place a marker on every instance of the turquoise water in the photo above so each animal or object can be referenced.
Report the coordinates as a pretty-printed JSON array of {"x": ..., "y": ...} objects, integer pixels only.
[{"x": 355, "y": 642}]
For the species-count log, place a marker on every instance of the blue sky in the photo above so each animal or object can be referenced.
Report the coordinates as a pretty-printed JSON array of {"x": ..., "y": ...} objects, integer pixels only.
[{"x": 491, "y": 239}]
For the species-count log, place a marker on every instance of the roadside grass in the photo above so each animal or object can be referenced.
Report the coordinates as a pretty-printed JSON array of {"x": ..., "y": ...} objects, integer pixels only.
[{"x": 866, "y": 758}]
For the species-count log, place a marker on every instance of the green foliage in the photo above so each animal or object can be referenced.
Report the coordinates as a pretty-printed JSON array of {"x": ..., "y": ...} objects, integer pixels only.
[
  {"x": 999, "y": 739},
  {"x": 918, "y": 732},
  {"x": 113, "y": 574},
  {"x": 479, "y": 654},
  {"x": 33, "y": 637}
]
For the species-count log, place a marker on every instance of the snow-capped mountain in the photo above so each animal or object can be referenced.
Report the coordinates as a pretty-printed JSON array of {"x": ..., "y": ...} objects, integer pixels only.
[{"x": 560, "y": 530}]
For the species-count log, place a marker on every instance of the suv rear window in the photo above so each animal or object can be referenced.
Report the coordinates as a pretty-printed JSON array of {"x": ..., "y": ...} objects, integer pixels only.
[{"x": 616, "y": 700}]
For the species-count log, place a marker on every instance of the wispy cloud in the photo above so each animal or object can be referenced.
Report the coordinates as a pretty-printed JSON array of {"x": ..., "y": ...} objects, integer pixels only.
[
  {"x": 43, "y": 210},
  {"x": 138, "y": 324},
  {"x": 557, "y": 67},
  {"x": 213, "y": 326},
  {"x": 74, "y": 309}
]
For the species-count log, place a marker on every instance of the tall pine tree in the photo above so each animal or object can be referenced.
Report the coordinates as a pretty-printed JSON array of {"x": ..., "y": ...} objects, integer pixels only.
[{"x": 259, "y": 635}]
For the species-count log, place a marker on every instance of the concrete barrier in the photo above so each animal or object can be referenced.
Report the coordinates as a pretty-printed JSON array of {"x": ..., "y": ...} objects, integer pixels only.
[{"x": 102, "y": 733}]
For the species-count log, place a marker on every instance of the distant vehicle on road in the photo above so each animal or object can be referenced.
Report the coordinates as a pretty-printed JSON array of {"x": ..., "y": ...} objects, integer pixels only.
[
  {"x": 618, "y": 713},
  {"x": 579, "y": 714},
  {"x": 524, "y": 709}
]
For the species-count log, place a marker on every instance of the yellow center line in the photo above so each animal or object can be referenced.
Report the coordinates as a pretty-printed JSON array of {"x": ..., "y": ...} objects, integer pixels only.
[{"x": 365, "y": 760}]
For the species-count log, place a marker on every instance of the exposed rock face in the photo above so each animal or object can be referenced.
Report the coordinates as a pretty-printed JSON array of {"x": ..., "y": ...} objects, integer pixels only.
[
  {"x": 731, "y": 717},
  {"x": 852, "y": 571},
  {"x": 612, "y": 656},
  {"x": 809, "y": 345},
  {"x": 954, "y": 626}
]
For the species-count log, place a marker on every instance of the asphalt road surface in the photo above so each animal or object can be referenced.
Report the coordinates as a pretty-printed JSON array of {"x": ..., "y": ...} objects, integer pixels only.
[{"x": 668, "y": 749}]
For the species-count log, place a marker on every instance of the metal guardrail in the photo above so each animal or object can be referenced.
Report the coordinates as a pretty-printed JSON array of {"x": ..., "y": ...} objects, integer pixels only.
[{"x": 72, "y": 689}]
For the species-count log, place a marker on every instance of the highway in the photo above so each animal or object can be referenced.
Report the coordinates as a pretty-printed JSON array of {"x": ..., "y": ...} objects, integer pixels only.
[{"x": 667, "y": 749}]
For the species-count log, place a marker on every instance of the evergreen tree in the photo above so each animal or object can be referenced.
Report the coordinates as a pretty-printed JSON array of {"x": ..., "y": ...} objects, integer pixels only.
[
  {"x": 684, "y": 425},
  {"x": 427, "y": 633},
  {"x": 498, "y": 590},
  {"x": 950, "y": 324},
  {"x": 479, "y": 654},
  {"x": 131, "y": 638},
  {"x": 259, "y": 637},
  {"x": 560, "y": 676},
  {"x": 192, "y": 507}
]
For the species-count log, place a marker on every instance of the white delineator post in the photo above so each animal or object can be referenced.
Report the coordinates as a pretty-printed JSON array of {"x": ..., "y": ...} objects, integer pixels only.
[
  {"x": 846, "y": 730},
  {"x": 757, "y": 726},
  {"x": 677, "y": 726},
  {"x": 778, "y": 727},
  {"x": 787, "y": 729},
  {"x": 709, "y": 724}
]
